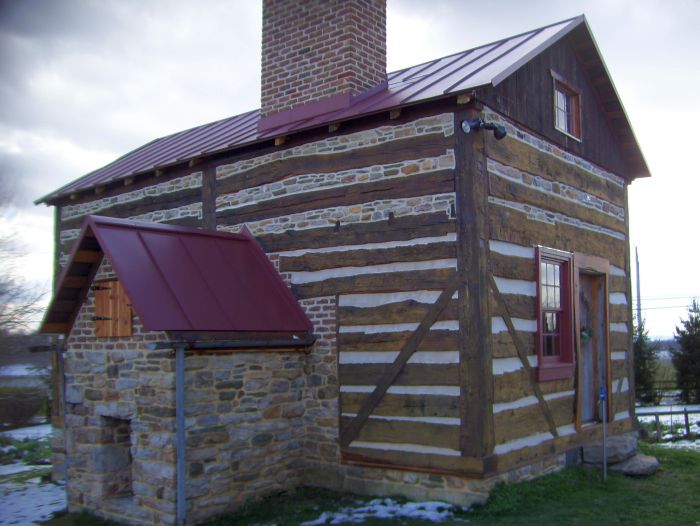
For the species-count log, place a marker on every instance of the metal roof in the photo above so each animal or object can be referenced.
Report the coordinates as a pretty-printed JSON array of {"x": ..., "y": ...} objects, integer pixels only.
[
  {"x": 482, "y": 66},
  {"x": 178, "y": 279}
]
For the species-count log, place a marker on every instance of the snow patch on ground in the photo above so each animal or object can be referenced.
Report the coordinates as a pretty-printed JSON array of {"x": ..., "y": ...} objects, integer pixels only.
[
  {"x": 22, "y": 369},
  {"x": 11, "y": 469},
  {"x": 29, "y": 503},
  {"x": 386, "y": 509},
  {"x": 693, "y": 445},
  {"x": 33, "y": 432}
]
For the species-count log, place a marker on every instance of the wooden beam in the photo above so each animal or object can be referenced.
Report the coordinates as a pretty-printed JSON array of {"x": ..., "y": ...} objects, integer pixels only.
[
  {"x": 394, "y": 114},
  {"x": 393, "y": 370},
  {"x": 209, "y": 198},
  {"x": 58, "y": 328},
  {"x": 279, "y": 141},
  {"x": 74, "y": 282},
  {"x": 522, "y": 354},
  {"x": 334, "y": 127},
  {"x": 87, "y": 256},
  {"x": 476, "y": 387}
]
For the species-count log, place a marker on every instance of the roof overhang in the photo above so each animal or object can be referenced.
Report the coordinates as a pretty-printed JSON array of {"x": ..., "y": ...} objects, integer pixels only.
[{"x": 179, "y": 280}]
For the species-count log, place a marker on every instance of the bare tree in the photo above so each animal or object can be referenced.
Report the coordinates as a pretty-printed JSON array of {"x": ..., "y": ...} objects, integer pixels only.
[{"x": 19, "y": 301}]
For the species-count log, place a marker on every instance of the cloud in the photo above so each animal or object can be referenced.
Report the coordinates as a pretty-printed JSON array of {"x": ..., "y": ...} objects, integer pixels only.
[{"x": 85, "y": 81}]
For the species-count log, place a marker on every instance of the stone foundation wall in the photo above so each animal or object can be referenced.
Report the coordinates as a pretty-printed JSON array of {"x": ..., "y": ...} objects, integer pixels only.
[
  {"x": 114, "y": 385},
  {"x": 375, "y": 481},
  {"x": 245, "y": 431}
]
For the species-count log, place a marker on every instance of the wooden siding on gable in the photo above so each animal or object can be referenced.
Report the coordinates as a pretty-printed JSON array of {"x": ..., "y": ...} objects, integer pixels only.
[{"x": 527, "y": 96}]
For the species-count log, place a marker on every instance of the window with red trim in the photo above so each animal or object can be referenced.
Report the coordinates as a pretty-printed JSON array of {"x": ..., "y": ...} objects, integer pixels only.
[
  {"x": 555, "y": 315},
  {"x": 567, "y": 107}
]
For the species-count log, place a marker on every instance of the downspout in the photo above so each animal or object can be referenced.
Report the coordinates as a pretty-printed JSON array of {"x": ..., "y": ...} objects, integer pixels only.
[{"x": 180, "y": 501}]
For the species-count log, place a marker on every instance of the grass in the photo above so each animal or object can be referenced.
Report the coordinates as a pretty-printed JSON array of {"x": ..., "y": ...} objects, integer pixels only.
[
  {"x": 575, "y": 496},
  {"x": 29, "y": 450}
]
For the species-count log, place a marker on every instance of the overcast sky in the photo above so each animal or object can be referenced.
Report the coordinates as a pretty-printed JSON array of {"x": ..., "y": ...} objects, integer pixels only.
[{"x": 84, "y": 81}]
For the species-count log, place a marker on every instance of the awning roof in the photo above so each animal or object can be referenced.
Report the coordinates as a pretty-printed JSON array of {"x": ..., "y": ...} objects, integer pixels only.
[
  {"x": 178, "y": 279},
  {"x": 483, "y": 66}
]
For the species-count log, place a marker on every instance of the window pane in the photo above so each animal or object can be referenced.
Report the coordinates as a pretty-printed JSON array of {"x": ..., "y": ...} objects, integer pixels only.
[
  {"x": 557, "y": 270},
  {"x": 550, "y": 274},
  {"x": 561, "y": 100},
  {"x": 556, "y": 299}
]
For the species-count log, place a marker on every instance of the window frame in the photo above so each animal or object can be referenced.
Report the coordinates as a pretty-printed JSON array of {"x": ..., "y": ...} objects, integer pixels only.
[
  {"x": 573, "y": 128},
  {"x": 562, "y": 365}
]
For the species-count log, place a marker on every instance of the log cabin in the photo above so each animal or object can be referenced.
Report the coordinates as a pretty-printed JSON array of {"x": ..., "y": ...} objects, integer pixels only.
[{"x": 412, "y": 283}]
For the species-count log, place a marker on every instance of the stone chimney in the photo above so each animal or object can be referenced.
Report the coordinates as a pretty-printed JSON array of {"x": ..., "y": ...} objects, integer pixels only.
[{"x": 320, "y": 53}]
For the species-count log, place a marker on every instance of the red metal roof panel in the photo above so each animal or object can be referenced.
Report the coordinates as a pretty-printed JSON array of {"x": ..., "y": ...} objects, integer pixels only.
[
  {"x": 184, "y": 279},
  {"x": 485, "y": 65}
]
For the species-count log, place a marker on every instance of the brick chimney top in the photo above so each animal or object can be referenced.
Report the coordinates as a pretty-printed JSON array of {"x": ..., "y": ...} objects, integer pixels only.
[{"x": 320, "y": 52}]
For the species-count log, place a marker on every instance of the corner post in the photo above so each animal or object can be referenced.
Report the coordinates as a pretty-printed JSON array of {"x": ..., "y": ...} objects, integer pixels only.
[{"x": 476, "y": 385}]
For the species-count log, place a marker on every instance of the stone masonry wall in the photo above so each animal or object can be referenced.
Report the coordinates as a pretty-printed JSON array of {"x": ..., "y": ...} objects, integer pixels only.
[
  {"x": 114, "y": 384},
  {"x": 255, "y": 418}
]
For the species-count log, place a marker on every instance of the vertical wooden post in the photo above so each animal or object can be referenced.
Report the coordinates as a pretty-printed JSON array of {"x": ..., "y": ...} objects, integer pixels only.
[
  {"x": 209, "y": 198},
  {"x": 476, "y": 382},
  {"x": 658, "y": 427},
  {"x": 630, "y": 345},
  {"x": 687, "y": 421}
]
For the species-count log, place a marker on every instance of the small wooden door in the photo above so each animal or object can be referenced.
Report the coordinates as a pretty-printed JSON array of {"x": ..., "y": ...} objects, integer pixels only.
[{"x": 592, "y": 336}]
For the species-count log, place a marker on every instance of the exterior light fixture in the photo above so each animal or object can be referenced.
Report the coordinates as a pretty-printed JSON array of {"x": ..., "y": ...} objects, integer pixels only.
[{"x": 479, "y": 124}]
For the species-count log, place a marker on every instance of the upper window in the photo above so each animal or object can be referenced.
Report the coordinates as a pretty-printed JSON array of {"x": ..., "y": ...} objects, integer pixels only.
[
  {"x": 555, "y": 319},
  {"x": 567, "y": 107}
]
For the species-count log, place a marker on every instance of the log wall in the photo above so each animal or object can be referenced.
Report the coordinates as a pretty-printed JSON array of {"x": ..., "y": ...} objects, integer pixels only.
[
  {"x": 368, "y": 220},
  {"x": 542, "y": 195}
]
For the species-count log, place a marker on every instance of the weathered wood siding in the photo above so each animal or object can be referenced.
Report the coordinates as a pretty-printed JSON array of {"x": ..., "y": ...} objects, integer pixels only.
[
  {"x": 542, "y": 195},
  {"x": 527, "y": 96},
  {"x": 367, "y": 220}
]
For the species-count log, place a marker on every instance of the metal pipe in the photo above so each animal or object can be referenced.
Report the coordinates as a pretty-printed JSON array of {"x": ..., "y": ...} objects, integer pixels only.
[
  {"x": 180, "y": 431},
  {"x": 604, "y": 403},
  {"x": 234, "y": 344}
]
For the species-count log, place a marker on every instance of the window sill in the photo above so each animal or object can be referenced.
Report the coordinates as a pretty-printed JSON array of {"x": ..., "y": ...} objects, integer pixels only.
[{"x": 555, "y": 371}]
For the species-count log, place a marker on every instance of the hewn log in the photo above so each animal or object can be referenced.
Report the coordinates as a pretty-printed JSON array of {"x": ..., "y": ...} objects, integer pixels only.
[
  {"x": 525, "y": 421},
  {"x": 360, "y": 258},
  {"x": 397, "y": 229},
  {"x": 503, "y": 346},
  {"x": 392, "y": 371},
  {"x": 435, "y": 341},
  {"x": 401, "y": 312},
  {"x": 395, "y": 188},
  {"x": 514, "y": 226},
  {"x": 526, "y": 455},
  {"x": 476, "y": 389},
  {"x": 402, "y": 432},
  {"x": 449, "y": 465},
  {"x": 403, "y": 405},
  {"x": 512, "y": 191},
  {"x": 145, "y": 205},
  {"x": 515, "y": 153},
  {"x": 512, "y": 267},
  {"x": 387, "y": 153},
  {"x": 522, "y": 354},
  {"x": 512, "y": 386},
  {"x": 519, "y": 306},
  {"x": 412, "y": 374},
  {"x": 389, "y": 282}
]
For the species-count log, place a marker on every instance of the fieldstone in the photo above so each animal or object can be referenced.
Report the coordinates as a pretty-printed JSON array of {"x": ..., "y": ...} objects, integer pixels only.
[
  {"x": 619, "y": 448},
  {"x": 637, "y": 466},
  {"x": 74, "y": 394}
]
